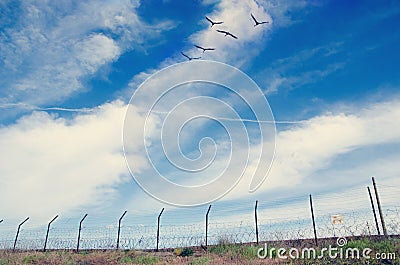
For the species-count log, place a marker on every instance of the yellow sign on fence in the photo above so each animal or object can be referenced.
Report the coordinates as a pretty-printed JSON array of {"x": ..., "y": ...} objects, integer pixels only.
[{"x": 337, "y": 219}]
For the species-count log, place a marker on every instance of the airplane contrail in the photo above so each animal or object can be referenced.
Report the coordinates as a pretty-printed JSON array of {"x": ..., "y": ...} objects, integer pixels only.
[
  {"x": 243, "y": 120},
  {"x": 32, "y": 107},
  {"x": 86, "y": 110}
]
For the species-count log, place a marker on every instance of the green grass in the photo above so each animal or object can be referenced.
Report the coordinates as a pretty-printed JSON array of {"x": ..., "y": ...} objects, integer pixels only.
[
  {"x": 186, "y": 252},
  {"x": 223, "y": 253},
  {"x": 233, "y": 250},
  {"x": 3, "y": 261},
  {"x": 32, "y": 259},
  {"x": 381, "y": 246},
  {"x": 377, "y": 246},
  {"x": 183, "y": 252}
]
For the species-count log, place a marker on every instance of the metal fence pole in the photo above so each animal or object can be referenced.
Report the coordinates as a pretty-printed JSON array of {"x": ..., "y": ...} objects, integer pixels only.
[
  {"x": 119, "y": 228},
  {"x": 47, "y": 233},
  {"x": 158, "y": 227},
  {"x": 16, "y": 236},
  {"x": 379, "y": 208},
  {"x": 208, "y": 211},
  {"x": 313, "y": 221},
  {"x": 255, "y": 219},
  {"x": 79, "y": 232},
  {"x": 369, "y": 230},
  {"x": 373, "y": 211}
]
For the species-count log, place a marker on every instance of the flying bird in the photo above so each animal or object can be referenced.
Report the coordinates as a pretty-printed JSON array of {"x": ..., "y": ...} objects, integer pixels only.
[
  {"x": 227, "y": 33},
  {"x": 257, "y": 22},
  {"x": 214, "y": 23},
  {"x": 190, "y": 58},
  {"x": 204, "y": 49}
]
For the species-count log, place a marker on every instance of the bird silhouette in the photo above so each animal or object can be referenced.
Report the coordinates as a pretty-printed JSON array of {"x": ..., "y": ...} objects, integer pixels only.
[
  {"x": 214, "y": 23},
  {"x": 190, "y": 58},
  {"x": 204, "y": 49},
  {"x": 258, "y": 22},
  {"x": 227, "y": 33}
]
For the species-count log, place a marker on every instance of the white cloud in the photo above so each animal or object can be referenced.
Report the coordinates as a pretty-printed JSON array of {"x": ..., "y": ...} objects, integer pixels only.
[
  {"x": 304, "y": 150},
  {"x": 307, "y": 153},
  {"x": 60, "y": 164},
  {"x": 95, "y": 51},
  {"x": 54, "y": 165},
  {"x": 284, "y": 11},
  {"x": 53, "y": 47},
  {"x": 280, "y": 76},
  {"x": 275, "y": 84},
  {"x": 237, "y": 20}
]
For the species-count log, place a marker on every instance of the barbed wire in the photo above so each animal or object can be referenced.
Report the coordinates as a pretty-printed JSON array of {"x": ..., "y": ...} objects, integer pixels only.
[{"x": 293, "y": 225}]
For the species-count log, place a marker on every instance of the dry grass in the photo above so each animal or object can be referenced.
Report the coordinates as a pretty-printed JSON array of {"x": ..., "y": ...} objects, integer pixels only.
[
  {"x": 123, "y": 257},
  {"x": 219, "y": 254}
]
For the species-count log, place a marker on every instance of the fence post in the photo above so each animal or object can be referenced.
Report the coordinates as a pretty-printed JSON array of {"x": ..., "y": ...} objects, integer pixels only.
[
  {"x": 255, "y": 219},
  {"x": 313, "y": 221},
  {"x": 79, "y": 232},
  {"x": 158, "y": 227},
  {"x": 379, "y": 208},
  {"x": 373, "y": 211},
  {"x": 369, "y": 230},
  {"x": 208, "y": 211},
  {"x": 119, "y": 227},
  {"x": 16, "y": 236},
  {"x": 47, "y": 233}
]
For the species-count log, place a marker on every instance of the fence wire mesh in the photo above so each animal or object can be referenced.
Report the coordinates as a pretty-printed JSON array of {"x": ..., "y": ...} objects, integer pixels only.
[{"x": 293, "y": 223}]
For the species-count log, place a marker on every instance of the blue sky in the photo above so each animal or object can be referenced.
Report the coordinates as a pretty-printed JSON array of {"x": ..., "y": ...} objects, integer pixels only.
[{"x": 68, "y": 69}]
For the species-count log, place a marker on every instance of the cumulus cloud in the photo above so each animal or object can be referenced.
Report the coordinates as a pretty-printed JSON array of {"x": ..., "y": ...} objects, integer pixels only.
[
  {"x": 95, "y": 51},
  {"x": 306, "y": 149},
  {"x": 61, "y": 164},
  {"x": 309, "y": 155},
  {"x": 52, "y": 164}
]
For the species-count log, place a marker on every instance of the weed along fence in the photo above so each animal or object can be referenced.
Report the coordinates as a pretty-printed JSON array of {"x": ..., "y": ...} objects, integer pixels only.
[{"x": 310, "y": 216}]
